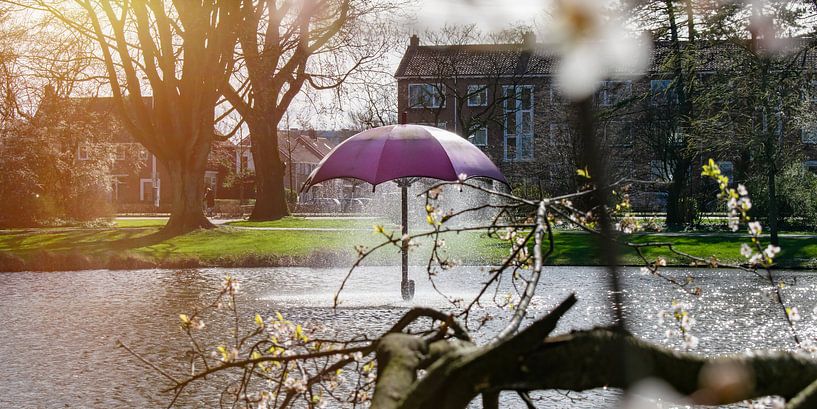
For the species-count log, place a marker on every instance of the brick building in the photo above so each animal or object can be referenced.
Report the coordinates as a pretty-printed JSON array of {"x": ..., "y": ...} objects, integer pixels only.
[
  {"x": 503, "y": 98},
  {"x": 301, "y": 153},
  {"x": 138, "y": 181}
]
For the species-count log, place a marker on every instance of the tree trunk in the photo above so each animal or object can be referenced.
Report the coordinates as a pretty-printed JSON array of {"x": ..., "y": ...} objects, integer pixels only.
[
  {"x": 773, "y": 211},
  {"x": 187, "y": 179},
  {"x": 270, "y": 195},
  {"x": 677, "y": 211}
]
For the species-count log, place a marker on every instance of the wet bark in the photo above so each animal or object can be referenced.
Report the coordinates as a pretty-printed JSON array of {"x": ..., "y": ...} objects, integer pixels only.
[
  {"x": 456, "y": 371},
  {"x": 270, "y": 194}
]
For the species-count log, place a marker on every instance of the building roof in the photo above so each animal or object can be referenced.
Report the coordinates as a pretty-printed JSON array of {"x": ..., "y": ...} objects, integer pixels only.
[
  {"x": 472, "y": 60},
  {"x": 537, "y": 59},
  {"x": 305, "y": 148},
  {"x": 302, "y": 148}
]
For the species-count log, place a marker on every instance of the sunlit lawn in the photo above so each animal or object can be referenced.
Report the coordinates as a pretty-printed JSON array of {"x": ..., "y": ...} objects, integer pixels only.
[
  {"x": 317, "y": 222},
  {"x": 137, "y": 222},
  {"x": 229, "y": 246},
  {"x": 287, "y": 222}
]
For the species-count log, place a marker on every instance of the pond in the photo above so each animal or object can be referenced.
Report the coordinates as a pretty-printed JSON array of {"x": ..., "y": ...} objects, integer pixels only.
[{"x": 59, "y": 329}]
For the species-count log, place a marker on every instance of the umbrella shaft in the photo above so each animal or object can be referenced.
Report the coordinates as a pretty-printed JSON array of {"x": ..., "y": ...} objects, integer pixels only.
[{"x": 404, "y": 221}]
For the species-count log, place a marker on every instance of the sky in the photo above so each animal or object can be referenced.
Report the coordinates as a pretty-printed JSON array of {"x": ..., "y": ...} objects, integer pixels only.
[
  {"x": 487, "y": 14},
  {"x": 430, "y": 15}
]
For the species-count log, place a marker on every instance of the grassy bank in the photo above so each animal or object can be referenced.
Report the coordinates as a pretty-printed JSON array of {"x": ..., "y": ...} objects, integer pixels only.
[
  {"x": 286, "y": 222},
  {"x": 115, "y": 248},
  {"x": 316, "y": 223}
]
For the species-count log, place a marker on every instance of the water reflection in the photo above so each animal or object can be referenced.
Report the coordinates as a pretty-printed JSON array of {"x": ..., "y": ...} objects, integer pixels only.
[{"x": 59, "y": 329}]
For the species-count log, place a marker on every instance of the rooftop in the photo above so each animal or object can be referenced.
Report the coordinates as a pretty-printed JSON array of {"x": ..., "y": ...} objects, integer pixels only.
[{"x": 538, "y": 59}]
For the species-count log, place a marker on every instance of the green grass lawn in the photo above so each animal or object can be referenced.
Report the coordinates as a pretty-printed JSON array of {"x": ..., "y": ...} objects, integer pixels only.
[
  {"x": 137, "y": 222},
  {"x": 104, "y": 248},
  {"x": 331, "y": 223}
]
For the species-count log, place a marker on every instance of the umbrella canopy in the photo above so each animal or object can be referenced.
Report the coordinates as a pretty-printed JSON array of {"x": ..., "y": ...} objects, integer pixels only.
[{"x": 404, "y": 151}]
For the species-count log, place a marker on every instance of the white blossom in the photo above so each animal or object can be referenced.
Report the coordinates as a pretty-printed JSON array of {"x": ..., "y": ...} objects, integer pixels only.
[
  {"x": 771, "y": 251},
  {"x": 745, "y": 204},
  {"x": 733, "y": 223},
  {"x": 793, "y": 313},
  {"x": 690, "y": 341},
  {"x": 755, "y": 229},
  {"x": 298, "y": 385},
  {"x": 745, "y": 250},
  {"x": 593, "y": 45}
]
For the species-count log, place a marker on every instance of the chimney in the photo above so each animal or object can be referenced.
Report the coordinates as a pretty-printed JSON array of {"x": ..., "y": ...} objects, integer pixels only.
[
  {"x": 313, "y": 134},
  {"x": 414, "y": 41}
]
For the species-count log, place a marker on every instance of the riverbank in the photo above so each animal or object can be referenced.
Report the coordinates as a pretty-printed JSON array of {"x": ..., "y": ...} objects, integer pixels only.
[{"x": 321, "y": 246}]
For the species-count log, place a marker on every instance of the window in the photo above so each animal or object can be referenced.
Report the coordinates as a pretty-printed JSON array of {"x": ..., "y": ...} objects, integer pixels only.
[
  {"x": 119, "y": 152},
  {"x": 148, "y": 192},
  {"x": 613, "y": 92},
  {"x": 477, "y": 95},
  {"x": 518, "y": 107},
  {"x": 659, "y": 170},
  {"x": 811, "y": 92},
  {"x": 83, "y": 152},
  {"x": 479, "y": 137},
  {"x": 811, "y": 165},
  {"x": 778, "y": 123},
  {"x": 210, "y": 179},
  {"x": 425, "y": 96},
  {"x": 809, "y": 135},
  {"x": 727, "y": 169},
  {"x": 662, "y": 92},
  {"x": 677, "y": 136},
  {"x": 143, "y": 154}
]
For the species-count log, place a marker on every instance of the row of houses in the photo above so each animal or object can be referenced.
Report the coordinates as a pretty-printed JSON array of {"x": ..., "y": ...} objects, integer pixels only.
[{"x": 139, "y": 181}]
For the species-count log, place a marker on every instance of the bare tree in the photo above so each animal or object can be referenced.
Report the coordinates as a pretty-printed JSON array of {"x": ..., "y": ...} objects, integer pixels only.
[
  {"x": 166, "y": 63},
  {"x": 374, "y": 103},
  {"x": 284, "y": 47}
]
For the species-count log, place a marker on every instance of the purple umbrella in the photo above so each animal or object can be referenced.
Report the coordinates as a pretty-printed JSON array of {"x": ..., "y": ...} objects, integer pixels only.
[{"x": 403, "y": 152}]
